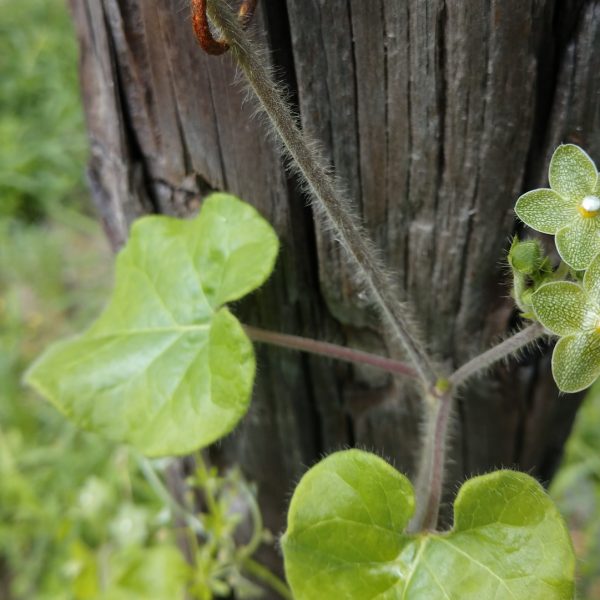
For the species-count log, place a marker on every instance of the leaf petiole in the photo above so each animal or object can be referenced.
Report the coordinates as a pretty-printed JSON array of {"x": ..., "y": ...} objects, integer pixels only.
[{"x": 302, "y": 344}]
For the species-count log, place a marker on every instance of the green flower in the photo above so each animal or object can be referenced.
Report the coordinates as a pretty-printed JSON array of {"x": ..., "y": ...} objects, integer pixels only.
[
  {"x": 572, "y": 311},
  {"x": 570, "y": 209}
]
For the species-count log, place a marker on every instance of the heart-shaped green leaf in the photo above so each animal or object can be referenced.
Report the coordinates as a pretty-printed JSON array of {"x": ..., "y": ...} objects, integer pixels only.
[
  {"x": 346, "y": 538},
  {"x": 166, "y": 367}
]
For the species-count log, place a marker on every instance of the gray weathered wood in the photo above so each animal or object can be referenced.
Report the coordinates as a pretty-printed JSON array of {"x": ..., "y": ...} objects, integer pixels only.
[{"x": 436, "y": 114}]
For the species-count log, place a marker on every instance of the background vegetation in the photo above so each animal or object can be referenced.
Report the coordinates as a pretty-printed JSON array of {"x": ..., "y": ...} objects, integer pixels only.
[{"x": 79, "y": 518}]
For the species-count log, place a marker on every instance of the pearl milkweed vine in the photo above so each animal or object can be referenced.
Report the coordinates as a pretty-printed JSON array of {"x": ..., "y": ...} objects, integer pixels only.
[{"x": 168, "y": 368}]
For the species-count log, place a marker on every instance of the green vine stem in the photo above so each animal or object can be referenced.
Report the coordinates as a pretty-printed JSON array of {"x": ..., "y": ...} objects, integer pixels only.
[
  {"x": 510, "y": 346},
  {"x": 430, "y": 479},
  {"x": 504, "y": 349},
  {"x": 258, "y": 571},
  {"x": 339, "y": 215},
  {"x": 321, "y": 184},
  {"x": 167, "y": 498},
  {"x": 294, "y": 342}
]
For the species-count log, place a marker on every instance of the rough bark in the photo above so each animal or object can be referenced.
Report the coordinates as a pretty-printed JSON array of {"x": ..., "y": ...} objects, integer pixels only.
[{"x": 436, "y": 114}]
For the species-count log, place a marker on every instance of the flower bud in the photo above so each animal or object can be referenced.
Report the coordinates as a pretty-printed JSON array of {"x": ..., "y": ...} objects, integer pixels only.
[{"x": 526, "y": 257}]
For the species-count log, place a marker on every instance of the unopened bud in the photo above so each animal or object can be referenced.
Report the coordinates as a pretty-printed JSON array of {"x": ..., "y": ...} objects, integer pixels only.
[{"x": 526, "y": 256}]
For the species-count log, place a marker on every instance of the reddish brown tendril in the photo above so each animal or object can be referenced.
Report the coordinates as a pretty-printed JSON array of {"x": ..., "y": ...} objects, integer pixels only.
[
  {"x": 246, "y": 12},
  {"x": 202, "y": 28}
]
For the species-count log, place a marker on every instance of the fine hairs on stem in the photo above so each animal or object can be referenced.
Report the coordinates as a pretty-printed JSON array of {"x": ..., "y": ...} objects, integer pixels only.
[
  {"x": 322, "y": 186},
  {"x": 510, "y": 346},
  {"x": 338, "y": 215},
  {"x": 294, "y": 342},
  {"x": 430, "y": 479}
]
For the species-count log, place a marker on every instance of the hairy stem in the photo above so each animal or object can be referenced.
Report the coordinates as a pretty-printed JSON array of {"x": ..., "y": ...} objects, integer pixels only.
[
  {"x": 504, "y": 349},
  {"x": 345, "y": 225},
  {"x": 294, "y": 342},
  {"x": 327, "y": 199},
  {"x": 430, "y": 479}
]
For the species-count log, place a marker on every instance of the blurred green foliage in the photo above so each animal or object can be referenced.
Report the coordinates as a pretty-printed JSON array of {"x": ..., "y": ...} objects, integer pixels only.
[
  {"x": 576, "y": 489},
  {"x": 79, "y": 520},
  {"x": 42, "y": 147}
]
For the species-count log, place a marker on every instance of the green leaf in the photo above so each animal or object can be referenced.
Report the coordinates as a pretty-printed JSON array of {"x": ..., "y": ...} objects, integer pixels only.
[
  {"x": 576, "y": 361},
  {"x": 560, "y": 307},
  {"x": 234, "y": 248},
  {"x": 545, "y": 210},
  {"x": 346, "y": 538},
  {"x": 166, "y": 367},
  {"x": 579, "y": 242},
  {"x": 572, "y": 172}
]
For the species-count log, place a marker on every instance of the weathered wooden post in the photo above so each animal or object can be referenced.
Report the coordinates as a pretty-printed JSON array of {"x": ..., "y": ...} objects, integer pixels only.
[{"x": 435, "y": 114}]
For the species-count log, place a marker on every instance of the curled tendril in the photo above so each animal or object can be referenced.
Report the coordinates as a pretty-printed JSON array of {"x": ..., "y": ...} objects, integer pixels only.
[{"x": 204, "y": 35}]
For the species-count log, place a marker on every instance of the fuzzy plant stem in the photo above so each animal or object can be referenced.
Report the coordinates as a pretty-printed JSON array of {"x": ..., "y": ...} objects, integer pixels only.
[
  {"x": 430, "y": 479},
  {"x": 302, "y": 344},
  {"x": 327, "y": 199},
  {"x": 508, "y": 347},
  {"x": 345, "y": 224}
]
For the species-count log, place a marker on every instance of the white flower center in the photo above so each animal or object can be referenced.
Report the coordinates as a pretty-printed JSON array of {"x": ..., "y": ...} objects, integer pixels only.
[{"x": 591, "y": 203}]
